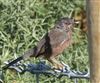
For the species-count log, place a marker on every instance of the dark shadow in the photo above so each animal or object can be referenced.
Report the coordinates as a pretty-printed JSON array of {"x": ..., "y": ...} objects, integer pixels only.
[{"x": 47, "y": 47}]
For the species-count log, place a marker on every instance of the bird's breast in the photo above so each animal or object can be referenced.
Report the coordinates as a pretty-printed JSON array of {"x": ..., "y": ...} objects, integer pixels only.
[{"x": 64, "y": 44}]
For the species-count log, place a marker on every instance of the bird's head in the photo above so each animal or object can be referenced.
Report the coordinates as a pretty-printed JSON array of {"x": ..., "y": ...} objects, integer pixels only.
[{"x": 65, "y": 23}]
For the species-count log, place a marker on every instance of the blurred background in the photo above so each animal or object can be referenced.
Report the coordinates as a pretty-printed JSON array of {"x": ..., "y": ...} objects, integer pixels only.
[{"x": 24, "y": 22}]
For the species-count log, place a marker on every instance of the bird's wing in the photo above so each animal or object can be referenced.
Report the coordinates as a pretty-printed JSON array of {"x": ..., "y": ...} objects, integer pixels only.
[
  {"x": 40, "y": 46},
  {"x": 57, "y": 37},
  {"x": 51, "y": 40}
]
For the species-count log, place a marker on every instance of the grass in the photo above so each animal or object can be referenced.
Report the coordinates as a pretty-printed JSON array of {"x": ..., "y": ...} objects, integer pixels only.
[{"x": 24, "y": 22}]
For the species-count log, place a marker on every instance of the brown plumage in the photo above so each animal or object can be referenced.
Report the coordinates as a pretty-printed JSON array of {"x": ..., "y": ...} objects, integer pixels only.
[{"x": 52, "y": 44}]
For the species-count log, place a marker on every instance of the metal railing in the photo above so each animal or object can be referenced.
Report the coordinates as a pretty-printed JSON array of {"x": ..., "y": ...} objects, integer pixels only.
[{"x": 42, "y": 68}]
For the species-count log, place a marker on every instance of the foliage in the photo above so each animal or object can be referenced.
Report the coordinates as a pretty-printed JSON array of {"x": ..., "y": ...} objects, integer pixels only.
[{"x": 24, "y": 22}]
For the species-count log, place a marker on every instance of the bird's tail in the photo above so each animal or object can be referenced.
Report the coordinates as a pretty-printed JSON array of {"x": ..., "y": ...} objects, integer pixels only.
[
  {"x": 25, "y": 56},
  {"x": 12, "y": 62}
]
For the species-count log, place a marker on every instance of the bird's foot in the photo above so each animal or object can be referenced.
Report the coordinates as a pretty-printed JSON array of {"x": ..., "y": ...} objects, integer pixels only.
[
  {"x": 59, "y": 68},
  {"x": 67, "y": 68}
]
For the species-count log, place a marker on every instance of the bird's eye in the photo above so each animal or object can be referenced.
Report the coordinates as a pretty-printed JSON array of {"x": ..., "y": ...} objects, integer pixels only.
[
  {"x": 68, "y": 23},
  {"x": 58, "y": 27}
]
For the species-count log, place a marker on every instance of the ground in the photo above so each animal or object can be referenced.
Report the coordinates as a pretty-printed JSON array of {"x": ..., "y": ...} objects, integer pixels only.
[{"x": 24, "y": 22}]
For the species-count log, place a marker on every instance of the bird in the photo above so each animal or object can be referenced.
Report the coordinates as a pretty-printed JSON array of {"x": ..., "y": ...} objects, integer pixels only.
[{"x": 53, "y": 43}]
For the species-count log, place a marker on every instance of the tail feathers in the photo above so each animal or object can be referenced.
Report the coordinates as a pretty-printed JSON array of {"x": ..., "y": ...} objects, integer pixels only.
[
  {"x": 13, "y": 62},
  {"x": 26, "y": 55},
  {"x": 30, "y": 53}
]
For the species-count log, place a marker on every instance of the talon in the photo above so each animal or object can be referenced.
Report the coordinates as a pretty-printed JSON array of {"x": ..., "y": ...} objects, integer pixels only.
[{"x": 58, "y": 67}]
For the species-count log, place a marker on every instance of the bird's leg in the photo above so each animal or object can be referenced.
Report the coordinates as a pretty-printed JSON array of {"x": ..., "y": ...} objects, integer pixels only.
[{"x": 56, "y": 64}]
